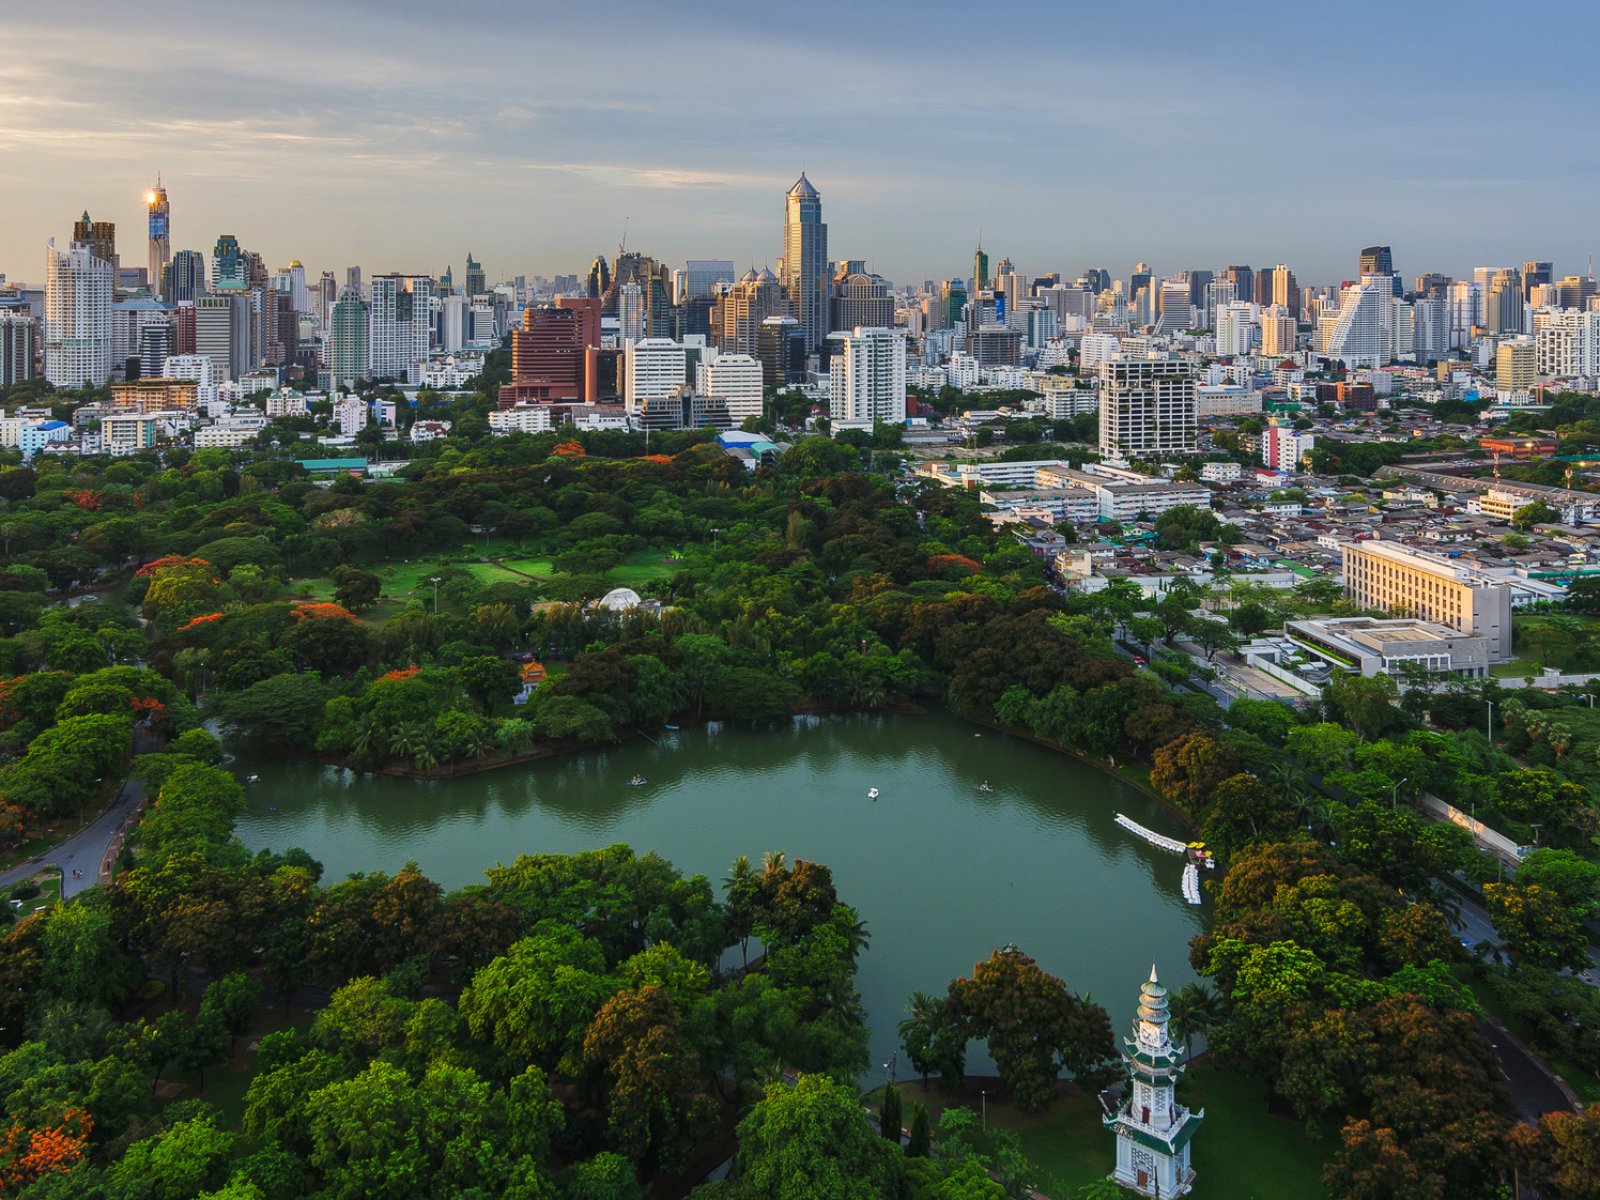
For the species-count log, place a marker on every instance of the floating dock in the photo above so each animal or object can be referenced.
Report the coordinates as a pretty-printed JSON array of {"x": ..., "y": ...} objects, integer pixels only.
[
  {"x": 1191, "y": 884},
  {"x": 1172, "y": 845}
]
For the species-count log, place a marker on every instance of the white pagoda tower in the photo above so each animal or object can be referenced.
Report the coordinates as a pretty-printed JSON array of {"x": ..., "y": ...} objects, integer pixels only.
[{"x": 1153, "y": 1130}]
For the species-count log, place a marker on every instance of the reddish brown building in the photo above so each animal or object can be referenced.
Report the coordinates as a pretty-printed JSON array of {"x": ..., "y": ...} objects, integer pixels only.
[
  {"x": 183, "y": 329},
  {"x": 1358, "y": 397},
  {"x": 554, "y": 356},
  {"x": 1519, "y": 447}
]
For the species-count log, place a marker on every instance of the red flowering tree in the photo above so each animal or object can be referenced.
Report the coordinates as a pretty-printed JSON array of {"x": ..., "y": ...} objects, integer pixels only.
[
  {"x": 570, "y": 449},
  {"x": 26, "y": 1153},
  {"x": 952, "y": 566}
]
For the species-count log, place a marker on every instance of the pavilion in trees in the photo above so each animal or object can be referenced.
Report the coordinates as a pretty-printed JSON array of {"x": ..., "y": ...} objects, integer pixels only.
[{"x": 1153, "y": 1130}]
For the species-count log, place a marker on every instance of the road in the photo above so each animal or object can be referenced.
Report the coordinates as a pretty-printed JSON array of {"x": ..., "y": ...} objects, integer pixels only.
[
  {"x": 86, "y": 850},
  {"x": 1531, "y": 1089}
]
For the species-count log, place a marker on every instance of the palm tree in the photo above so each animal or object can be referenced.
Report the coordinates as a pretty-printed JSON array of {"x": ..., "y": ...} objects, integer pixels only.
[
  {"x": 772, "y": 863},
  {"x": 920, "y": 1027},
  {"x": 859, "y": 934},
  {"x": 480, "y": 742},
  {"x": 425, "y": 754},
  {"x": 404, "y": 739},
  {"x": 1195, "y": 1008}
]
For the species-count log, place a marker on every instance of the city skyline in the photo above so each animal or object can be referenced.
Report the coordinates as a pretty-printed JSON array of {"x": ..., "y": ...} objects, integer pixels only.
[{"x": 521, "y": 138}]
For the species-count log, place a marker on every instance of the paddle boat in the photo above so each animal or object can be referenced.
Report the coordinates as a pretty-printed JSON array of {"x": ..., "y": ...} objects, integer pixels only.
[{"x": 872, "y": 793}]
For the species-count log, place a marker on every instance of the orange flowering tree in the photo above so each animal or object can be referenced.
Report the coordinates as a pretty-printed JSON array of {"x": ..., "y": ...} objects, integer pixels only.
[
  {"x": 197, "y": 622},
  {"x": 322, "y": 611},
  {"x": 948, "y": 566},
  {"x": 26, "y": 1152},
  {"x": 87, "y": 499},
  {"x": 180, "y": 588},
  {"x": 570, "y": 449}
]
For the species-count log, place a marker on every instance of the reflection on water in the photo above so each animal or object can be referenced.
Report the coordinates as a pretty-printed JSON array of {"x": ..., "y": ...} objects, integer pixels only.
[{"x": 941, "y": 871}]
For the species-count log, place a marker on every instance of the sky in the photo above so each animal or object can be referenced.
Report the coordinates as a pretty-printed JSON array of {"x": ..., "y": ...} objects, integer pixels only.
[{"x": 401, "y": 135}]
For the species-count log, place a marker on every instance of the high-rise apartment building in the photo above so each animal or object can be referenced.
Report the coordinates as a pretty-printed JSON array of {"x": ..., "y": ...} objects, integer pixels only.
[
  {"x": 16, "y": 346},
  {"x": 160, "y": 248},
  {"x": 1363, "y": 334},
  {"x": 184, "y": 277},
  {"x": 1466, "y": 311},
  {"x": 867, "y": 379},
  {"x": 1503, "y": 301},
  {"x": 291, "y": 280},
  {"x": 804, "y": 271},
  {"x": 1282, "y": 289},
  {"x": 740, "y": 311},
  {"x": 1236, "y": 325},
  {"x": 101, "y": 239},
  {"x": 399, "y": 326},
  {"x": 1567, "y": 343},
  {"x": 348, "y": 342},
  {"x": 1173, "y": 313},
  {"x": 737, "y": 379},
  {"x": 1412, "y": 583},
  {"x": 1277, "y": 332},
  {"x": 1147, "y": 407},
  {"x": 77, "y": 317}
]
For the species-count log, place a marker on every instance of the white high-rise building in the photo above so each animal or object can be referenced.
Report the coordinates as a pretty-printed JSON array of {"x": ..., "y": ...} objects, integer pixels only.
[
  {"x": 1363, "y": 334},
  {"x": 1236, "y": 325},
  {"x": 1566, "y": 343},
  {"x": 654, "y": 368},
  {"x": 631, "y": 315},
  {"x": 1174, "y": 314},
  {"x": 1147, "y": 407},
  {"x": 350, "y": 414},
  {"x": 222, "y": 332},
  {"x": 197, "y": 367},
  {"x": 77, "y": 317},
  {"x": 1466, "y": 310},
  {"x": 292, "y": 279},
  {"x": 737, "y": 379},
  {"x": 1403, "y": 322},
  {"x": 867, "y": 379},
  {"x": 399, "y": 326},
  {"x": 1431, "y": 321}
]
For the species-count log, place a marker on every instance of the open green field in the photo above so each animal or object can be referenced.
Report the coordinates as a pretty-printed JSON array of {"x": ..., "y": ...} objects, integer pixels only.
[
  {"x": 1242, "y": 1152},
  {"x": 49, "y": 881}
]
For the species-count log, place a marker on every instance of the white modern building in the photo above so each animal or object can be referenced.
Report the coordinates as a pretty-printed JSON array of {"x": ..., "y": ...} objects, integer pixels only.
[
  {"x": 1283, "y": 449},
  {"x": 350, "y": 414},
  {"x": 77, "y": 317},
  {"x": 737, "y": 379},
  {"x": 399, "y": 326},
  {"x": 653, "y": 368},
  {"x": 1363, "y": 334},
  {"x": 867, "y": 379},
  {"x": 530, "y": 418},
  {"x": 1237, "y": 328},
  {"x": 197, "y": 367}
]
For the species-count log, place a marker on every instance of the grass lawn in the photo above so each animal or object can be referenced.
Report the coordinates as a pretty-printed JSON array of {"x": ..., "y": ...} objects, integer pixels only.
[
  {"x": 1242, "y": 1152},
  {"x": 49, "y": 881},
  {"x": 1516, "y": 668},
  {"x": 227, "y": 1083}
]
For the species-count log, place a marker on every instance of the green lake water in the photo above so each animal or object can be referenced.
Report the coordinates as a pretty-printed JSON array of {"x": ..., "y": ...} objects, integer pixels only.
[{"x": 941, "y": 872}]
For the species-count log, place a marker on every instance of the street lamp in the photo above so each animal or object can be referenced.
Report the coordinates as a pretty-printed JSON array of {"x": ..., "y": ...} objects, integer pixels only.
[
  {"x": 1395, "y": 799},
  {"x": 1490, "y": 703},
  {"x": 714, "y": 532},
  {"x": 435, "y": 581},
  {"x": 985, "y": 1098}
]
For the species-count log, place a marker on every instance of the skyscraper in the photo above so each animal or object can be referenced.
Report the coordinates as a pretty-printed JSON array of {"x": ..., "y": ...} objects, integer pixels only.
[
  {"x": 399, "y": 325},
  {"x": 348, "y": 344},
  {"x": 16, "y": 346},
  {"x": 1535, "y": 273},
  {"x": 77, "y": 317},
  {"x": 1502, "y": 302},
  {"x": 599, "y": 277},
  {"x": 1283, "y": 290},
  {"x": 804, "y": 272},
  {"x": 184, "y": 277},
  {"x": 229, "y": 270},
  {"x": 631, "y": 316},
  {"x": 701, "y": 276},
  {"x": 859, "y": 298},
  {"x": 980, "y": 269},
  {"x": 1377, "y": 260},
  {"x": 740, "y": 311},
  {"x": 476, "y": 285},
  {"x": 222, "y": 332},
  {"x": 101, "y": 239},
  {"x": 160, "y": 233},
  {"x": 1243, "y": 280},
  {"x": 1363, "y": 334}
]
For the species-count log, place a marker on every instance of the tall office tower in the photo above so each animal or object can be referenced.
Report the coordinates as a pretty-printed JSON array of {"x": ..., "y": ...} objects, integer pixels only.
[
  {"x": 632, "y": 324},
  {"x": 447, "y": 283},
  {"x": 781, "y": 347},
  {"x": 1277, "y": 332},
  {"x": 155, "y": 347},
  {"x": 804, "y": 271},
  {"x": 980, "y": 269},
  {"x": 183, "y": 322},
  {"x": 741, "y": 309},
  {"x": 1284, "y": 290},
  {"x": 953, "y": 298},
  {"x": 16, "y": 346},
  {"x": 1536, "y": 273},
  {"x": 1243, "y": 280},
  {"x": 1237, "y": 322},
  {"x": 184, "y": 277},
  {"x": 861, "y": 299},
  {"x": 1219, "y": 294},
  {"x": 291, "y": 280},
  {"x": 1197, "y": 280},
  {"x": 1376, "y": 260},
  {"x": 352, "y": 283},
  {"x": 1173, "y": 314},
  {"x": 1140, "y": 277},
  {"x": 1403, "y": 329},
  {"x": 101, "y": 239},
  {"x": 1097, "y": 279},
  {"x": 653, "y": 369},
  {"x": 77, "y": 317},
  {"x": 1502, "y": 302},
  {"x": 229, "y": 270},
  {"x": 1363, "y": 334},
  {"x": 398, "y": 326},
  {"x": 701, "y": 276},
  {"x": 1466, "y": 311},
  {"x": 283, "y": 328},
  {"x": 328, "y": 296},
  {"x": 1516, "y": 366},
  {"x": 160, "y": 233},
  {"x": 1147, "y": 407},
  {"x": 867, "y": 378},
  {"x": 1433, "y": 284},
  {"x": 555, "y": 354},
  {"x": 737, "y": 378},
  {"x": 222, "y": 333},
  {"x": 654, "y": 280},
  {"x": 1575, "y": 290},
  {"x": 348, "y": 343},
  {"x": 476, "y": 284},
  {"x": 599, "y": 282}
]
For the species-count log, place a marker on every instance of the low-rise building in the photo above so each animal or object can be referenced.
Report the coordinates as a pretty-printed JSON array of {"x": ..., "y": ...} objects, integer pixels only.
[{"x": 1370, "y": 646}]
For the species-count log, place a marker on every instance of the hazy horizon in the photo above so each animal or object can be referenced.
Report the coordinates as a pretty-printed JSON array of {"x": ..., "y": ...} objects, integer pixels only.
[{"x": 1070, "y": 135}]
